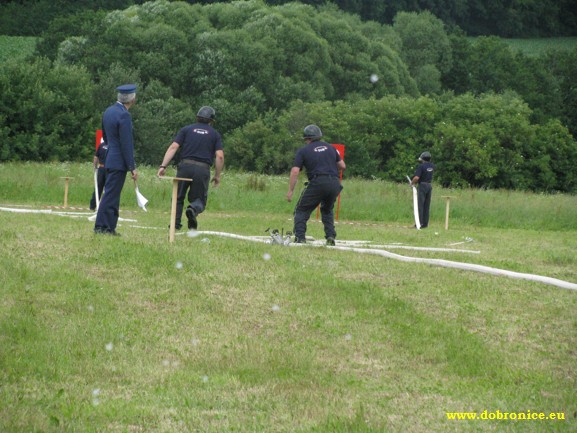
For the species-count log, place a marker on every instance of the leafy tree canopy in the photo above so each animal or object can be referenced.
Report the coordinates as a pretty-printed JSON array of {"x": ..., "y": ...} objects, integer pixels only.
[
  {"x": 253, "y": 56},
  {"x": 492, "y": 117},
  {"x": 505, "y": 18}
]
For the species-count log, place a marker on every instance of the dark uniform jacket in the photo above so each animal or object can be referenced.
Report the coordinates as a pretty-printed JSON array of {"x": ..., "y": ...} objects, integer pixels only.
[{"x": 117, "y": 133}]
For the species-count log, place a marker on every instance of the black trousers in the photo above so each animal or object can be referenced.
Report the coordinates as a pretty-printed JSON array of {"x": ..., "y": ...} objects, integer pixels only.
[
  {"x": 424, "y": 198},
  {"x": 322, "y": 190},
  {"x": 196, "y": 191},
  {"x": 108, "y": 211}
]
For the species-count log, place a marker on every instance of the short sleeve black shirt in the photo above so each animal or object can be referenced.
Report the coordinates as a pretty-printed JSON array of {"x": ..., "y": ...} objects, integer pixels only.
[
  {"x": 199, "y": 141},
  {"x": 425, "y": 172},
  {"x": 318, "y": 158}
]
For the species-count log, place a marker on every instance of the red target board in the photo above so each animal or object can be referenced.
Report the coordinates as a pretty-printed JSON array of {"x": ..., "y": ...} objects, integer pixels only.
[
  {"x": 341, "y": 149},
  {"x": 98, "y": 137}
]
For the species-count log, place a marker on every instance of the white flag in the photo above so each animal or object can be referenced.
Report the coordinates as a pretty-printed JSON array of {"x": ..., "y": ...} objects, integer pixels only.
[{"x": 140, "y": 199}]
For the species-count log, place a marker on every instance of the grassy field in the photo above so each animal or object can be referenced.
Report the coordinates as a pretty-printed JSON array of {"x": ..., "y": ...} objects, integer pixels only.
[
  {"x": 213, "y": 334},
  {"x": 16, "y": 47},
  {"x": 539, "y": 46}
]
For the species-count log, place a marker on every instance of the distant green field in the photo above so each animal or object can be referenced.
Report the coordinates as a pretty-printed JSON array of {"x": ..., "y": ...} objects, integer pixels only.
[
  {"x": 17, "y": 47},
  {"x": 539, "y": 46}
]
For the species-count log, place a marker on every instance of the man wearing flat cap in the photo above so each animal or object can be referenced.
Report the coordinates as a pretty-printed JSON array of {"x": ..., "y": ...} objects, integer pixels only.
[{"x": 117, "y": 132}]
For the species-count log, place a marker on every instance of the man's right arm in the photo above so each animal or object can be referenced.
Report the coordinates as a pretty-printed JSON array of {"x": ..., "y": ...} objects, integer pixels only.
[{"x": 170, "y": 152}]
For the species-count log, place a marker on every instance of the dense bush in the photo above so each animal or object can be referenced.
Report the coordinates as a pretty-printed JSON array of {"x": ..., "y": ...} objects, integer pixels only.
[
  {"x": 492, "y": 117},
  {"x": 486, "y": 141},
  {"x": 44, "y": 114}
]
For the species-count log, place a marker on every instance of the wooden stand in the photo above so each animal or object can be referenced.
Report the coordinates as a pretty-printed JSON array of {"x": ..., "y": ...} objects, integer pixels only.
[
  {"x": 175, "y": 181},
  {"x": 447, "y": 205},
  {"x": 66, "y": 190}
]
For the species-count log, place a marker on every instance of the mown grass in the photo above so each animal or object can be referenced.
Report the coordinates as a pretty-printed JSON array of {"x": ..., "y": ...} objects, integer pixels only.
[{"x": 211, "y": 334}]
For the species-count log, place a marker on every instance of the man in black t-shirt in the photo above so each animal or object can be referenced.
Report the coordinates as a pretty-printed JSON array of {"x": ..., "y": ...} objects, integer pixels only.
[
  {"x": 322, "y": 163},
  {"x": 201, "y": 145}
]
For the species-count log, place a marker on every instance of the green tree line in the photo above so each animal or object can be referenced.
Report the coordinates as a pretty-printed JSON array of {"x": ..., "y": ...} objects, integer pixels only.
[
  {"x": 505, "y": 18},
  {"x": 492, "y": 117}
]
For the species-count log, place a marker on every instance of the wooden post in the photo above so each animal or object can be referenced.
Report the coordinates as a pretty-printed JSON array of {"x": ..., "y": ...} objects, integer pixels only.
[
  {"x": 447, "y": 205},
  {"x": 175, "y": 181},
  {"x": 65, "y": 190}
]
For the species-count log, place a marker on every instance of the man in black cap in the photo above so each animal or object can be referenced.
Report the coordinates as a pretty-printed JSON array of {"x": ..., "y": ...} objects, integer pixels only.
[
  {"x": 323, "y": 164},
  {"x": 201, "y": 146},
  {"x": 117, "y": 133},
  {"x": 424, "y": 178}
]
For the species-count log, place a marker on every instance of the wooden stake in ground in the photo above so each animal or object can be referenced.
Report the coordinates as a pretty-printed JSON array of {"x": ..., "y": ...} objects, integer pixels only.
[
  {"x": 447, "y": 201},
  {"x": 66, "y": 190},
  {"x": 175, "y": 181}
]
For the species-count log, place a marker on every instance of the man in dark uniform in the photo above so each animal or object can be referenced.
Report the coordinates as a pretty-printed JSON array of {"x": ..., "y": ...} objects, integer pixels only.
[
  {"x": 322, "y": 163},
  {"x": 117, "y": 133},
  {"x": 424, "y": 177},
  {"x": 201, "y": 146},
  {"x": 98, "y": 161}
]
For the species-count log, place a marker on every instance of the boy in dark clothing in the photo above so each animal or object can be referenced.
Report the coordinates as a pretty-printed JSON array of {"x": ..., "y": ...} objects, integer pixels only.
[{"x": 424, "y": 178}]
